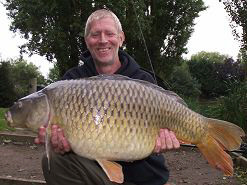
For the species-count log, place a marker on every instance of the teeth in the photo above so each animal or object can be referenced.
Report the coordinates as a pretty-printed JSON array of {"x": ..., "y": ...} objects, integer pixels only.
[{"x": 103, "y": 49}]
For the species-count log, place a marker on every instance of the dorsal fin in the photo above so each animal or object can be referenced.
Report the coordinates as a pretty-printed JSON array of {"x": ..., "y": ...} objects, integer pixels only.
[
  {"x": 172, "y": 94},
  {"x": 110, "y": 77}
]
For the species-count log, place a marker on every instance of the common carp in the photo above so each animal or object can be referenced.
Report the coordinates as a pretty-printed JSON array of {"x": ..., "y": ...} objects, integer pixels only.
[{"x": 111, "y": 118}]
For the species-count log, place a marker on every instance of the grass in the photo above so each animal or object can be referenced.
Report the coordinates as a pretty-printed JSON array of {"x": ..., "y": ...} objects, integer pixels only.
[
  {"x": 3, "y": 124},
  {"x": 203, "y": 107},
  {"x": 232, "y": 108}
]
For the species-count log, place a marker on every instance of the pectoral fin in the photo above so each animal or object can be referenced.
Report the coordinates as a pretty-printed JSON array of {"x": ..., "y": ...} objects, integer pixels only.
[{"x": 113, "y": 170}]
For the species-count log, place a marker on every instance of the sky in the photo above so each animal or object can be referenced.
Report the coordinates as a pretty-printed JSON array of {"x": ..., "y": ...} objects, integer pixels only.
[{"x": 212, "y": 33}]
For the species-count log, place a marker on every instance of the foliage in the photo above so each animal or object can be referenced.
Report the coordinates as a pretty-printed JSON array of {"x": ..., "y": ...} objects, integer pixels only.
[
  {"x": 242, "y": 59},
  {"x": 183, "y": 83},
  {"x": 230, "y": 70},
  {"x": 7, "y": 93},
  {"x": 204, "y": 107},
  {"x": 215, "y": 72},
  {"x": 3, "y": 124},
  {"x": 233, "y": 107},
  {"x": 15, "y": 77},
  {"x": 53, "y": 75},
  {"x": 22, "y": 72},
  {"x": 55, "y": 28},
  {"x": 237, "y": 10}
]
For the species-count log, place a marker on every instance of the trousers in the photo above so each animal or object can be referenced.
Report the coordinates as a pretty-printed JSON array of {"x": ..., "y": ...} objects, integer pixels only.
[{"x": 71, "y": 169}]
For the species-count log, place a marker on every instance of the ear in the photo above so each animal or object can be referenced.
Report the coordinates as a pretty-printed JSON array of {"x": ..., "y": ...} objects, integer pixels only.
[{"x": 122, "y": 38}]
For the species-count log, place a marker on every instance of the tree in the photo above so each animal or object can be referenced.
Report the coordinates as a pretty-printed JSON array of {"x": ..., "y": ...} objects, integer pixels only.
[
  {"x": 242, "y": 59},
  {"x": 215, "y": 72},
  {"x": 15, "y": 77},
  {"x": 55, "y": 28},
  {"x": 183, "y": 83},
  {"x": 237, "y": 10},
  {"x": 7, "y": 93},
  {"x": 22, "y": 72},
  {"x": 201, "y": 67},
  {"x": 233, "y": 107},
  {"x": 53, "y": 74}
]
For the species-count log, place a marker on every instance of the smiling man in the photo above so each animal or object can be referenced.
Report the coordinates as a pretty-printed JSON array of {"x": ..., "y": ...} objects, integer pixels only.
[{"x": 104, "y": 37}]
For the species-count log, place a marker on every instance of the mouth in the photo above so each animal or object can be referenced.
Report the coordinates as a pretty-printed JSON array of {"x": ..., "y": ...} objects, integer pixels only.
[
  {"x": 104, "y": 50},
  {"x": 8, "y": 117}
]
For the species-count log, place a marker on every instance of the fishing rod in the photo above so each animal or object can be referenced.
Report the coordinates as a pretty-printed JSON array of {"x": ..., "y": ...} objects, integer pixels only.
[
  {"x": 242, "y": 150},
  {"x": 157, "y": 79},
  {"x": 144, "y": 42}
]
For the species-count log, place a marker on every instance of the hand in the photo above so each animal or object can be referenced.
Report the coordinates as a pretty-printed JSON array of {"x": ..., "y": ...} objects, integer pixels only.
[
  {"x": 58, "y": 141},
  {"x": 166, "y": 141}
]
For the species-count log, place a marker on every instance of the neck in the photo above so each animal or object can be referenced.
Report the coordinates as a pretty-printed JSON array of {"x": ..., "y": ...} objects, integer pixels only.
[{"x": 108, "y": 69}]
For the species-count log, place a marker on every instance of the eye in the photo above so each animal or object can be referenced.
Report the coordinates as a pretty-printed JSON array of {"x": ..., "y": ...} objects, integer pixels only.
[
  {"x": 110, "y": 34},
  {"x": 95, "y": 34}
]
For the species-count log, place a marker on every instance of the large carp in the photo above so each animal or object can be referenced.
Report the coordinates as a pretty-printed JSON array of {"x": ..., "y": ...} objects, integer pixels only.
[{"x": 114, "y": 118}]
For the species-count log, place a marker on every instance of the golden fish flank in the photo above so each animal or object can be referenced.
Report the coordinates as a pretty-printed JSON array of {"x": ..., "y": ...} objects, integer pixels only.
[{"x": 118, "y": 119}]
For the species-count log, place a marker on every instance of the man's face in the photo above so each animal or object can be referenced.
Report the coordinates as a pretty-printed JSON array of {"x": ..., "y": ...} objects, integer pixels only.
[{"x": 103, "y": 41}]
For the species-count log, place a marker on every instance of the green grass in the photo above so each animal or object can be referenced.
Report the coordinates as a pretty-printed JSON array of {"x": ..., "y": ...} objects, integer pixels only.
[
  {"x": 3, "y": 124},
  {"x": 203, "y": 107},
  {"x": 232, "y": 108}
]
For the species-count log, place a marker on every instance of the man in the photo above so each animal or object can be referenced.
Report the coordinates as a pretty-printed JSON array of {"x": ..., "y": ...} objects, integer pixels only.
[{"x": 104, "y": 37}]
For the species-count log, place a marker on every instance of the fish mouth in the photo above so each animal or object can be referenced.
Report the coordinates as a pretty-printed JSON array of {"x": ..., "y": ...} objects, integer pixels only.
[{"x": 8, "y": 117}]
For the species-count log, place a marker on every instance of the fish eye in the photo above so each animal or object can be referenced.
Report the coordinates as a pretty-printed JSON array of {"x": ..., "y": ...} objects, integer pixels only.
[{"x": 19, "y": 104}]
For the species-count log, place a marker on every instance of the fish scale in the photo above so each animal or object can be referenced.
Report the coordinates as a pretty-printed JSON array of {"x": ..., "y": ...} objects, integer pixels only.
[{"x": 111, "y": 117}]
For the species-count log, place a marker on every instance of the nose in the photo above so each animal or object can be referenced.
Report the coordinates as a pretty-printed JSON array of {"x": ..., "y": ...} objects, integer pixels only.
[
  {"x": 8, "y": 117},
  {"x": 103, "y": 38}
]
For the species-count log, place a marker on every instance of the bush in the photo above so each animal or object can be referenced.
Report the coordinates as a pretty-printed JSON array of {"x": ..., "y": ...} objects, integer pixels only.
[
  {"x": 14, "y": 80},
  {"x": 7, "y": 92},
  {"x": 233, "y": 107},
  {"x": 215, "y": 72},
  {"x": 183, "y": 83}
]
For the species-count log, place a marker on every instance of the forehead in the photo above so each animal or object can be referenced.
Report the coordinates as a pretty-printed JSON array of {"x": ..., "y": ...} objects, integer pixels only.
[{"x": 102, "y": 24}]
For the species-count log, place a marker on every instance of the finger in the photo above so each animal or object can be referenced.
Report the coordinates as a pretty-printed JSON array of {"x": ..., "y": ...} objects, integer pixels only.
[
  {"x": 162, "y": 140},
  {"x": 60, "y": 137},
  {"x": 167, "y": 141},
  {"x": 175, "y": 142},
  {"x": 41, "y": 135},
  {"x": 157, "y": 145},
  {"x": 182, "y": 142},
  {"x": 37, "y": 141},
  {"x": 66, "y": 145},
  {"x": 54, "y": 136},
  {"x": 219, "y": 167}
]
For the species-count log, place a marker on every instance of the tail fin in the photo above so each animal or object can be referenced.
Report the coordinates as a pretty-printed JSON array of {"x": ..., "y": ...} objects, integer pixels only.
[{"x": 221, "y": 136}]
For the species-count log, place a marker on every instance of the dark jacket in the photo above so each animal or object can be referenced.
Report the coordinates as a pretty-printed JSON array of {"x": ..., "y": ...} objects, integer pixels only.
[{"x": 149, "y": 171}]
